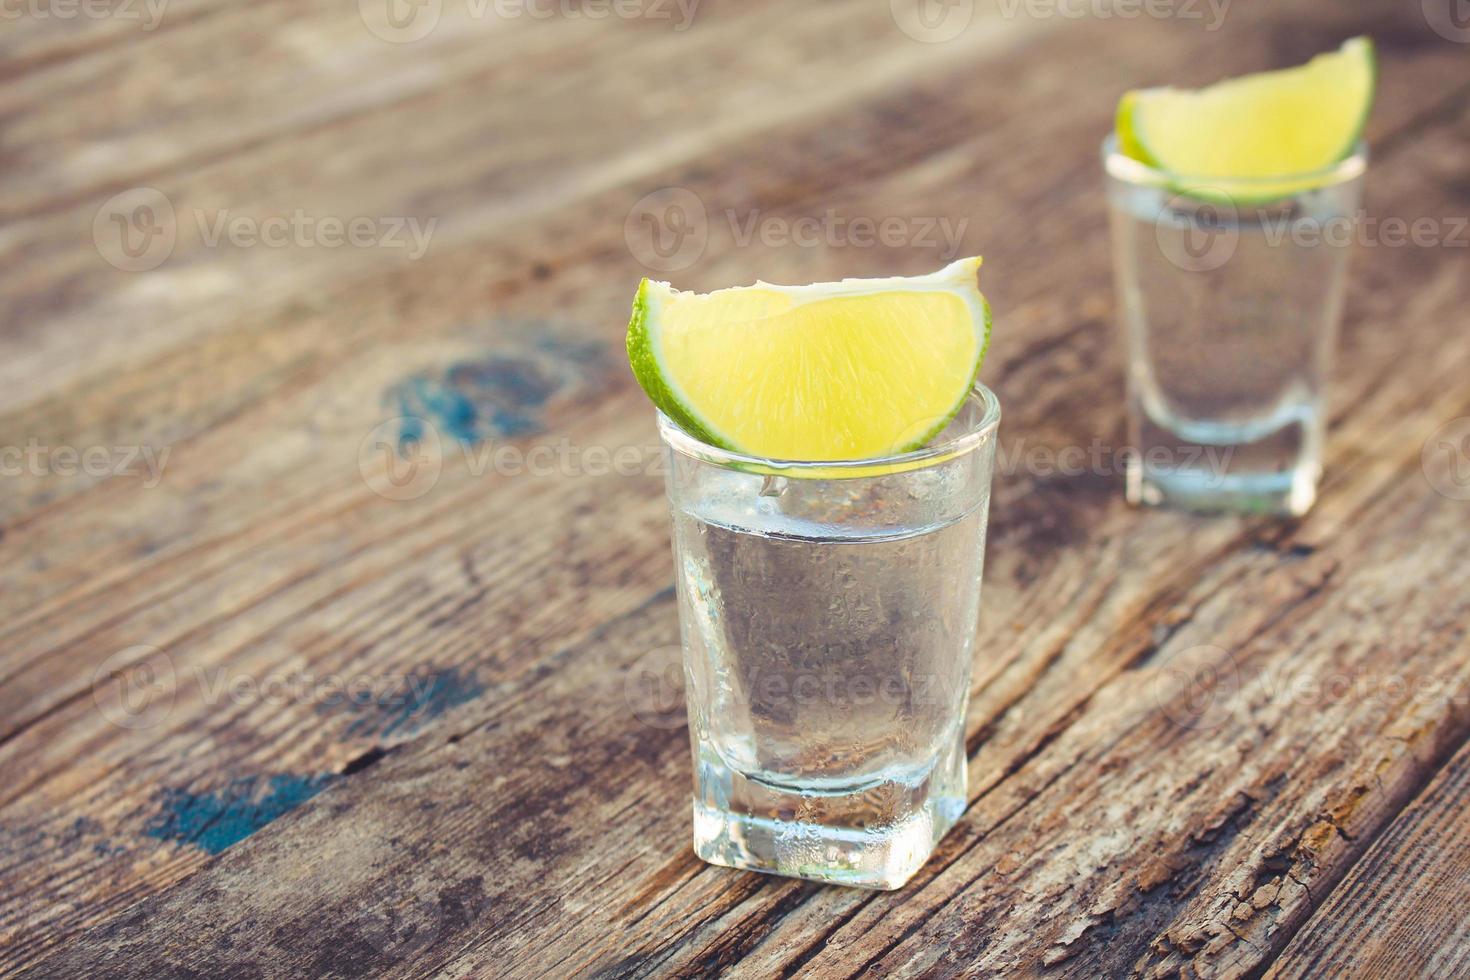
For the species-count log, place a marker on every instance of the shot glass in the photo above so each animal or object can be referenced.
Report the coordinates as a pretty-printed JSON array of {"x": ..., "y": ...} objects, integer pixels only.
[
  {"x": 828, "y": 613},
  {"x": 1229, "y": 294}
]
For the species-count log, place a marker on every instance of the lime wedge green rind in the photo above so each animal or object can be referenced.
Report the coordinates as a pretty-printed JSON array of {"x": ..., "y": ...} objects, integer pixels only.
[
  {"x": 1128, "y": 144},
  {"x": 974, "y": 378},
  {"x": 645, "y": 370},
  {"x": 1245, "y": 132}
]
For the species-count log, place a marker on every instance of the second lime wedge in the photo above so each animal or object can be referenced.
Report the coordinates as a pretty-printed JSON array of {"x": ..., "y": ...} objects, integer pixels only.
[{"x": 1272, "y": 124}]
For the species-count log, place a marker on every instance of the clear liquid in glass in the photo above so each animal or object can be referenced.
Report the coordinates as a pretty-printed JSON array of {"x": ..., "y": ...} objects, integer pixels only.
[
  {"x": 828, "y": 652},
  {"x": 1229, "y": 316}
]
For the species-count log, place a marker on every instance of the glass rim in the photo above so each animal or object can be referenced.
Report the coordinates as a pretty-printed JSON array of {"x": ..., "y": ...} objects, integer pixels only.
[
  {"x": 1138, "y": 173},
  {"x": 679, "y": 440}
]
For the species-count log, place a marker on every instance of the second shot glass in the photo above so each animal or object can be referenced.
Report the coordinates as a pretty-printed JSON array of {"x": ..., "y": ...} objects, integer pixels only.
[{"x": 1229, "y": 294}]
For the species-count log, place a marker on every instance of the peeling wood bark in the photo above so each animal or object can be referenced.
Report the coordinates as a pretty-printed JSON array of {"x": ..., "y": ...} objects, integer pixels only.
[{"x": 1401, "y": 910}]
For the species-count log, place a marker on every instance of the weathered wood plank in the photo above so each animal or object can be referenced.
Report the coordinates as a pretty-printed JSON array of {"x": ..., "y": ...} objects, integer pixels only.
[
  {"x": 308, "y": 349},
  {"x": 1090, "y": 736},
  {"x": 216, "y": 570},
  {"x": 1402, "y": 912},
  {"x": 339, "y": 94},
  {"x": 219, "y": 570},
  {"x": 1199, "y": 935},
  {"x": 560, "y": 868}
]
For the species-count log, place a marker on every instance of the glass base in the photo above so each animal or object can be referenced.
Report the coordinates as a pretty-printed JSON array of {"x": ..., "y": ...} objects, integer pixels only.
[
  {"x": 1266, "y": 464},
  {"x": 875, "y": 835},
  {"x": 1286, "y": 493}
]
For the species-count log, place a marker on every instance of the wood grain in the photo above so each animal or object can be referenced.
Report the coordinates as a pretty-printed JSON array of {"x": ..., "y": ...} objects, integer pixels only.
[
  {"x": 336, "y": 92},
  {"x": 515, "y": 815},
  {"x": 1399, "y": 912},
  {"x": 217, "y": 567}
]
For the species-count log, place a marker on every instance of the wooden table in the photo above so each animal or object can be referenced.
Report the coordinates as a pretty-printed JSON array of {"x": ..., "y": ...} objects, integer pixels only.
[{"x": 268, "y": 712}]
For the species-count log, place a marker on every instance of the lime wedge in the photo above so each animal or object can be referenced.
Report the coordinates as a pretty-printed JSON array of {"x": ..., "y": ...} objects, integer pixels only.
[
  {"x": 832, "y": 371},
  {"x": 1272, "y": 124}
]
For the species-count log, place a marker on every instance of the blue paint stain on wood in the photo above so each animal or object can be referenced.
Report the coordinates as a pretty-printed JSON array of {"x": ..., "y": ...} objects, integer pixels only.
[
  {"x": 220, "y": 818},
  {"x": 500, "y": 395},
  {"x": 403, "y": 708}
]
